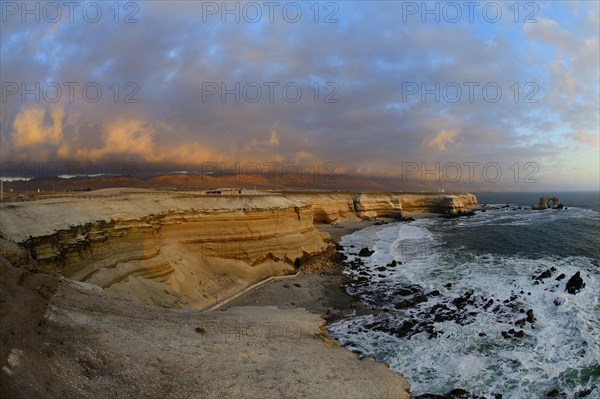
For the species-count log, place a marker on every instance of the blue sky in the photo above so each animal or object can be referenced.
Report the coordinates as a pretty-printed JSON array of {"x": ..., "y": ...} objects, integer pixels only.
[{"x": 353, "y": 72}]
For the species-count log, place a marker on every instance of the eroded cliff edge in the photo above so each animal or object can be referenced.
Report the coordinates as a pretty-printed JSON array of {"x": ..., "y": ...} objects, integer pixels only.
[
  {"x": 339, "y": 206},
  {"x": 184, "y": 249},
  {"x": 168, "y": 249}
]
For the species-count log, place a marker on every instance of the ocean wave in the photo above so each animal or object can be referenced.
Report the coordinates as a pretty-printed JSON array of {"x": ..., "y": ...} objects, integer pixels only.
[{"x": 560, "y": 349}]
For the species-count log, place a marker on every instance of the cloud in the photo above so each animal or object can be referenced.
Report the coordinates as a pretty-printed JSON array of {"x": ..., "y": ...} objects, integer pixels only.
[
  {"x": 34, "y": 126},
  {"x": 548, "y": 31},
  {"x": 274, "y": 141},
  {"x": 590, "y": 140},
  {"x": 442, "y": 140},
  {"x": 123, "y": 137},
  {"x": 370, "y": 129}
]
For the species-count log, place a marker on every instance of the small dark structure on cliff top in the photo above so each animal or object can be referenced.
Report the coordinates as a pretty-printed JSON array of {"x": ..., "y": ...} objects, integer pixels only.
[{"x": 544, "y": 203}]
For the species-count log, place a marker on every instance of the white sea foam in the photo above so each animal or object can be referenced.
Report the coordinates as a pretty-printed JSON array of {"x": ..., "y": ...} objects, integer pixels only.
[{"x": 562, "y": 351}]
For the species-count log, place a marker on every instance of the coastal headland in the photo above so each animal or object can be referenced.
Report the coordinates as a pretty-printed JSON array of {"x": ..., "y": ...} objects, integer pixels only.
[{"x": 108, "y": 292}]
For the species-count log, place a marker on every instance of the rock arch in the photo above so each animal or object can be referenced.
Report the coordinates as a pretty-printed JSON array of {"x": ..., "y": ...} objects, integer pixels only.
[{"x": 544, "y": 203}]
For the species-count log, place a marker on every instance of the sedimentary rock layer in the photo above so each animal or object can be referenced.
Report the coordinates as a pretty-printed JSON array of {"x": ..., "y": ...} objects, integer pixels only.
[
  {"x": 166, "y": 249},
  {"x": 331, "y": 207},
  {"x": 185, "y": 249}
]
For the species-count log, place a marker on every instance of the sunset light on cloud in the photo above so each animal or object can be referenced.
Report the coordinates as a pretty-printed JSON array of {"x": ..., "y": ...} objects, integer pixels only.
[{"x": 367, "y": 86}]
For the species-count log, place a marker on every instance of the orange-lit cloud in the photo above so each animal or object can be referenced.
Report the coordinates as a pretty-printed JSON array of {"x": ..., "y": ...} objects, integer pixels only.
[
  {"x": 590, "y": 140},
  {"x": 274, "y": 141},
  {"x": 442, "y": 140},
  {"x": 34, "y": 126},
  {"x": 122, "y": 137}
]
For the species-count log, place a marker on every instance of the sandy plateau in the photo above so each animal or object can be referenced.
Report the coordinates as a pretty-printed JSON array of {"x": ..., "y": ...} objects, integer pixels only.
[{"x": 103, "y": 294}]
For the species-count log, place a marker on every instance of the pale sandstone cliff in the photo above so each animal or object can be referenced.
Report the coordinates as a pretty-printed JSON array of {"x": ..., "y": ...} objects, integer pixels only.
[
  {"x": 185, "y": 249},
  {"x": 445, "y": 204},
  {"x": 332, "y": 207},
  {"x": 166, "y": 249}
]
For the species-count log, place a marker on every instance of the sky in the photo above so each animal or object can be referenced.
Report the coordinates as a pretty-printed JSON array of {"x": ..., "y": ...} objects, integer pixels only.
[{"x": 486, "y": 94}]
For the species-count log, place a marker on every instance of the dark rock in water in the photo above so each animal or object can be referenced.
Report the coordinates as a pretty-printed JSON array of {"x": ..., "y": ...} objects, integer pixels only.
[
  {"x": 381, "y": 269},
  {"x": 392, "y": 263},
  {"x": 434, "y": 293},
  {"x": 453, "y": 394},
  {"x": 432, "y": 396},
  {"x": 365, "y": 252},
  {"x": 488, "y": 304},
  {"x": 560, "y": 277},
  {"x": 575, "y": 284},
  {"x": 546, "y": 274},
  {"x": 404, "y": 329},
  {"x": 406, "y": 291},
  {"x": 459, "y": 393},
  {"x": 411, "y": 302},
  {"x": 555, "y": 393},
  {"x": 513, "y": 334},
  {"x": 459, "y": 214},
  {"x": 583, "y": 393},
  {"x": 449, "y": 285},
  {"x": 462, "y": 301},
  {"x": 558, "y": 301},
  {"x": 520, "y": 334},
  {"x": 442, "y": 313},
  {"x": 530, "y": 316}
]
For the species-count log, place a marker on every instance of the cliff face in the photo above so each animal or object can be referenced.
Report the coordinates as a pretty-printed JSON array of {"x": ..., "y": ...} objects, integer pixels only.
[
  {"x": 174, "y": 249},
  {"x": 171, "y": 257},
  {"x": 370, "y": 206},
  {"x": 450, "y": 204},
  {"x": 328, "y": 208}
]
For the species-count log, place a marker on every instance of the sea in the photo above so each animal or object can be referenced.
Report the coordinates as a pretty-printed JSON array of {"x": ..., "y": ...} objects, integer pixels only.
[{"x": 479, "y": 303}]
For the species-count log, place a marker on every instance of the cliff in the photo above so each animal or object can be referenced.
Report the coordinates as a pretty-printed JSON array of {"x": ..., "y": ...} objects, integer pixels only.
[
  {"x": 165, "y": 249},
  {"x": 332, "y": 207},
  {"x": 183, "y": 249},
  {"x": 445, "y": 204}
]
